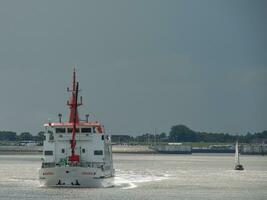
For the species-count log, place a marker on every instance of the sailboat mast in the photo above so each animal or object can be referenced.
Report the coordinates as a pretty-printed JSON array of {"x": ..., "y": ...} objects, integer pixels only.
[{"x": 237, "y": 154}]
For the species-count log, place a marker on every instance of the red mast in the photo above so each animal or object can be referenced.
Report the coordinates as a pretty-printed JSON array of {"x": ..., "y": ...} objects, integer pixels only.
[
  {"x": 74, "y": 116},
  {"x": 72, "y": 103}
]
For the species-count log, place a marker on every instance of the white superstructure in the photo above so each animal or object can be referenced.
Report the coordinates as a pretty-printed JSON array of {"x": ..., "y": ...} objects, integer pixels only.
[{"x": 76, "y": 153}]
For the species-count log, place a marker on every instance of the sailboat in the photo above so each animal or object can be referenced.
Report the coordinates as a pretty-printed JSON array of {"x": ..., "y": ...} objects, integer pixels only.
[{"x": 238, "y": 166}]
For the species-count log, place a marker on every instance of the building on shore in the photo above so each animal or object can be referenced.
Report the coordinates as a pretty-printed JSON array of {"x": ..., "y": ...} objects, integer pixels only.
[
  {"x": 216, "y": 148},
  {"x": 254, "y": 149},
  {"x": 173, "y": 148},
  {"x": 120, "y": 139}
]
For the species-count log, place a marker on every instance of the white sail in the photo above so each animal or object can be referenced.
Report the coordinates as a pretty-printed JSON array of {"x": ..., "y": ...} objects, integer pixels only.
[{"x": 236, "y": 154}]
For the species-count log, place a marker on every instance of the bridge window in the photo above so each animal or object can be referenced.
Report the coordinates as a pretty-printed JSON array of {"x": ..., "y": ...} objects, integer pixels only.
[
  {"x": 70, "y": 130},
  {"x": 48, "y": 153},
  {"x": 83, "y": 150},
  {"x": 98, "y": 152},
  {"x": 86, "y": 130},
  {"x": 60, "y": 130},
  {"x": 62, "y": 150}
]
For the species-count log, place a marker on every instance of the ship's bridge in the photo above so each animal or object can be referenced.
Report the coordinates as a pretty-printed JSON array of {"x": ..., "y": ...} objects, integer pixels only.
[
  {"x": 81, "y": 127},
  {"x": 90, "y": 141}
]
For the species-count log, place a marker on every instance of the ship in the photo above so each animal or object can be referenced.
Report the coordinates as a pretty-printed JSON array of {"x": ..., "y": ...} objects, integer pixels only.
[
  {"x": 76, "y": 153},
  {"x": 238, "y": 166}
]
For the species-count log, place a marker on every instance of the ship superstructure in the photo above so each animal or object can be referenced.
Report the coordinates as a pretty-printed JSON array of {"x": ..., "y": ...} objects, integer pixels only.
[{"x": 76, "y": 153}]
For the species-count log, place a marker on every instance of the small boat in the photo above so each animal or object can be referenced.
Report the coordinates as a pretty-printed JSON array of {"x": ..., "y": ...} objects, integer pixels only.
[{"x": 238, "y": 166}]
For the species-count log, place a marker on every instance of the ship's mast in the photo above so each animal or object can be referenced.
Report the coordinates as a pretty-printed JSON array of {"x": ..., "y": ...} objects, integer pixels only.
[
  {"x": 72, "y": 103},
  {"x": 74, "y": 116}
]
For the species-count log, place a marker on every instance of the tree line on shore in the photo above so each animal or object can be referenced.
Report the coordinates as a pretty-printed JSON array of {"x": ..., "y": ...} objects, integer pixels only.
[
  {"x": 24, "y": 136},
  {"x": 178, "y": 133},
  {"x": 181, "y": 133},
  {"x": 185, "y": 134}
]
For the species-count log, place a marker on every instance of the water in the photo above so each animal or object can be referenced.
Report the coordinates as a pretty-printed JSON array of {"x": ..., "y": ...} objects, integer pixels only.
[{"x": 161, "y": 177}]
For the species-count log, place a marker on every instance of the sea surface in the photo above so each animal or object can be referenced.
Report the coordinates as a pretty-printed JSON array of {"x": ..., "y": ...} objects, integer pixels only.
[{"x": 162, "y": 177}]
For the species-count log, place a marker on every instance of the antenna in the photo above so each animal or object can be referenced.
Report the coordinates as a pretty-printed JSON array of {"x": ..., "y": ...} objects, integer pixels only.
[
  {"x": 59, "y": 117},
  {"x": 87, "y": 117}
]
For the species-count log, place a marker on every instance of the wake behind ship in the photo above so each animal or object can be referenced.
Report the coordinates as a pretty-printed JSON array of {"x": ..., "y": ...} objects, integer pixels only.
[{"x": 76, "y": 153}]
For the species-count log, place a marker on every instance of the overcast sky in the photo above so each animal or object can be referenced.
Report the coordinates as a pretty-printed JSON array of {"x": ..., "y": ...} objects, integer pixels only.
[{"x": 141, "y": 64}]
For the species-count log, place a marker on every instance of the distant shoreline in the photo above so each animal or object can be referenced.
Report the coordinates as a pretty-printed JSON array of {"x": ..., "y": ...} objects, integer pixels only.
[
  {"x": 21, "y": 150},
  {"x": 35, "y": 150},
  {"x": 121, "y": 149}
]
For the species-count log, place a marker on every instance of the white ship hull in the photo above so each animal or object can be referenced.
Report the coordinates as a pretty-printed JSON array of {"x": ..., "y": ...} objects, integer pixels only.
[{"x": 74, "y": 177}]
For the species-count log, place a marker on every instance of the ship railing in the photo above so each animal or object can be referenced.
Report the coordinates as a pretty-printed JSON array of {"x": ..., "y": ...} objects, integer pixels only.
[
  {"x": 48, "y": 165},
  {"x": 92, "y": 164},
  {"x": 81, "y": 164}
]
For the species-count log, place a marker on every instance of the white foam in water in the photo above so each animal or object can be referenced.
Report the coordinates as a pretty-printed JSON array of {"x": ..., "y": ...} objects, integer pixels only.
[
  {"x": 24, "y": 181},
  {"x": 129, "y": 179},
  {"x": 123, "y": 179}
]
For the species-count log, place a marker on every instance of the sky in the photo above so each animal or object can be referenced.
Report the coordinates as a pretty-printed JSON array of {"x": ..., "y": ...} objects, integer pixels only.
[{"x": 141, "y": 64}]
